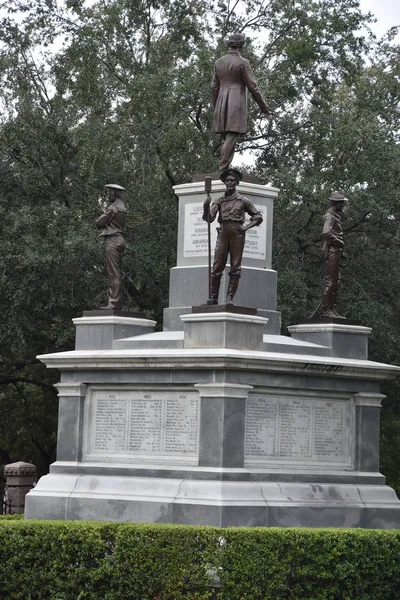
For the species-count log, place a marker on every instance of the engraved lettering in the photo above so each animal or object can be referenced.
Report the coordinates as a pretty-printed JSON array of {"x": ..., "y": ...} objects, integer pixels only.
[
  {"x": 110, "y": 425},
  {"x": 297, "y": 429},
  {"x": 137, "y": 423}
]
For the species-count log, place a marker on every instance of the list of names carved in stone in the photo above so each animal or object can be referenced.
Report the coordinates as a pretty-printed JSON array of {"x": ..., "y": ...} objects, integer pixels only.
[
  {"x": 181, "y": 425},
  {"x": 261, "y": 427},
  {"x": 145, "y": 434},
  {"x": 295, "y": 429},
  {"x": 299, "y": 429},
  {"x": 329, "y": 430},
  {"x": 110, "y": 432},
  {"x": 146, "y": 423}
]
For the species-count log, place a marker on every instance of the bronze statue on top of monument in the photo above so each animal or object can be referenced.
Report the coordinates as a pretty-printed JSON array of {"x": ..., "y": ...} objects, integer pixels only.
[
  {"x": 112, "y": 223},
  {"x": 333, "y": 246},
  {"x": 232, "y": 76},
  {"x": 231, "y": 209}
]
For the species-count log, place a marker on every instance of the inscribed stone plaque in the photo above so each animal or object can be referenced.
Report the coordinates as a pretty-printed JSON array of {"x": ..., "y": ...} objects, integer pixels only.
[
  {"x": 145, "y": 433},
  {"x": 147, "y": 423},
  {"x": 297, "y": 430},
  {"x": 195, "y": 241},
  {"x": 110, "y": 434}
]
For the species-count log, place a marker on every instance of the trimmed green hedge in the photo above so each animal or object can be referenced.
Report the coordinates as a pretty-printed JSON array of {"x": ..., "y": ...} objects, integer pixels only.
[{"x": 47, "y": 560}]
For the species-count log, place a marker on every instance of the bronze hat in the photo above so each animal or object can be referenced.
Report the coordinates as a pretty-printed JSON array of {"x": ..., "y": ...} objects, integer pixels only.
[
  {"x": 114, "y": 186},
  {"x": 235, "y": 172},
  {"x": 337, "y": 197},
  {"x": 236, "y": 38}
]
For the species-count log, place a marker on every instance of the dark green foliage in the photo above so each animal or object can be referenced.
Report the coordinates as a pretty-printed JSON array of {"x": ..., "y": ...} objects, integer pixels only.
[
  {"x": 99, "y": 561},
  {"x": 173, "y": 562},
  {"x": 58, "y": 561},
  {"x": 304, "y": 564}
]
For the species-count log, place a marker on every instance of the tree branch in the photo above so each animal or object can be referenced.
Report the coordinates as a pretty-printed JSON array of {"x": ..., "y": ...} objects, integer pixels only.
[
  {"x": 167, "y": 168},
  {"x": 228, "y": 16},
  {"x": 272, "y": 44},
  {"x": 261, "y": 13},
  {"x": 357, "y": 223},
  {"x": 310, "y": 218}
]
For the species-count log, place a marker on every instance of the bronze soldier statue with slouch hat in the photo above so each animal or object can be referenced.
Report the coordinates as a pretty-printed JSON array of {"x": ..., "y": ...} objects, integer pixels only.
[{"x": 231, "y": 209}]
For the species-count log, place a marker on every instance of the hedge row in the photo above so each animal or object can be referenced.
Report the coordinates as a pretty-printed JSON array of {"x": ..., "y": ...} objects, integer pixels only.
[{"x": 47, "y": 560}]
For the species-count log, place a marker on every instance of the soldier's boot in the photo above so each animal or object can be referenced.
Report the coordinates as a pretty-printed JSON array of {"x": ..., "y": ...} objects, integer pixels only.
[
  {"x": 215, "y": 283},
  {"x": 335, "y": 312},
  {"x": 326, "y": 308},
  {"x": 233, "y": 286}
]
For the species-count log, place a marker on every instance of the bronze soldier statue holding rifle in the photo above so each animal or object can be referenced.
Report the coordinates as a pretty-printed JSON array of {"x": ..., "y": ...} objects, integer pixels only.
[{"x": 231, "y": 209}]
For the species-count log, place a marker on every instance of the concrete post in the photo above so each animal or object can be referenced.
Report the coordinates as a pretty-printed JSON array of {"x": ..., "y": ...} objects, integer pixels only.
[{"x": 20, "y": 478}]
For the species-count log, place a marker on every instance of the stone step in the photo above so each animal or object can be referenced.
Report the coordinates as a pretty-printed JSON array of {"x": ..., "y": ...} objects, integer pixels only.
[
  {"x": 151, "y": 341},
  {"x": 288, "y": 345}
]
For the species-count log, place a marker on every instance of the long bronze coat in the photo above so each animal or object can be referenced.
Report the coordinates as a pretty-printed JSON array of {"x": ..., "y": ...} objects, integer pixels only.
[{"x": 232, "y": 75}]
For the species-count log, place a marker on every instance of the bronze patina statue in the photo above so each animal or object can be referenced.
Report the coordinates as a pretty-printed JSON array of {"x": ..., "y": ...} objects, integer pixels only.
[
  {"x": 112, "y": 223},
  {"x": 232, "y": 75},
  {"x": 231, "y": 209},
  {"x": 332, "y": 233}
]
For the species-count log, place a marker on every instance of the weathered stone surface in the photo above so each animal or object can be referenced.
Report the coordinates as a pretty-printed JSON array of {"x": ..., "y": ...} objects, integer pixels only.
[
  {"x": 343, "y": 340},
  {"x": 20, "y": 479},
  {"x": 99, "y": 332},
  {"x": 223, "y": 330}
]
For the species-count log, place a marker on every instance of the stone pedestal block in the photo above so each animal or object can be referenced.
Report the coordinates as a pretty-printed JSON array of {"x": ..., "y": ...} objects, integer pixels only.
[
  {"x": 367, "y": 418},
  {"x": 257, "y": 287},
  {"x": 223, "y": 330},
  {"x": 98, "y": 332},
  {"x": 20, "y": 479},
  {"x": 189, "y": 279},
  {"x": 344, "y": 340},
  {"x": 222, "y": 424},
  {"x": 172, "y": 318},
  {"x": 70, "y": 420},
  {"x": 192, "y": 230}
]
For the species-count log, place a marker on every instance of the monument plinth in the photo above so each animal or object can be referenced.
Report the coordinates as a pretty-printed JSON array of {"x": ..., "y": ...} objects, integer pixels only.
[
  {"x": 218, "y": 419},
  {"x": 189, "y": 432},
  {"x": 189, "y": 279}
]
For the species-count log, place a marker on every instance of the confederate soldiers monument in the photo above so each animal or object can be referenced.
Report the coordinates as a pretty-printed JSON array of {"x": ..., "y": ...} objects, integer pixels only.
[{"x": 219, "y": 419}]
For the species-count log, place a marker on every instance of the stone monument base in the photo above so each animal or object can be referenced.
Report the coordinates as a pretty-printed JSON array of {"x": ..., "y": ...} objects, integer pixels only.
[
  {"x": 215, "y": 498},
  {"x": 219, "y": 424}
]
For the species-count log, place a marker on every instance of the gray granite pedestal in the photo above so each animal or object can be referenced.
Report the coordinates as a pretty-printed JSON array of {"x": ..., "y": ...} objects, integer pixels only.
[
  {"x": 189, "y": 279},
  {"x": 222, "y": 424}
]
